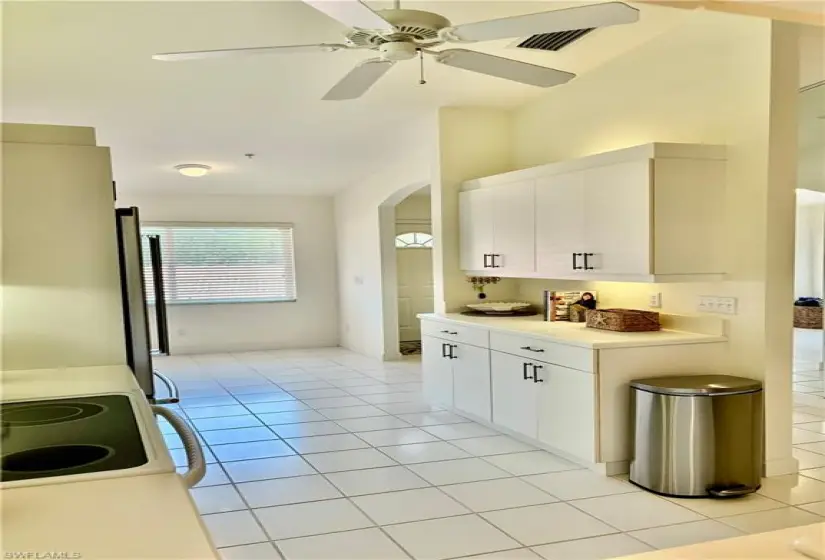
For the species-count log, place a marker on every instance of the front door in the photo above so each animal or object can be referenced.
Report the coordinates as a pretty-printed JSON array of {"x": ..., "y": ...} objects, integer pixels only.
[{"x": 415, "y": 282}]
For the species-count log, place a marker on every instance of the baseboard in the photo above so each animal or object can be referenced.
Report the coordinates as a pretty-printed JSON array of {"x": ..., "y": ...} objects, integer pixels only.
[
  {"x": 778, "y": 467},
  {"x": 181, "y": 349}
]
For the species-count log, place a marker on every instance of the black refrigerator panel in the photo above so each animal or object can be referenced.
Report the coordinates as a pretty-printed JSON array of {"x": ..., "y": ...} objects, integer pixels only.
[{"x": 133, "y": 290}]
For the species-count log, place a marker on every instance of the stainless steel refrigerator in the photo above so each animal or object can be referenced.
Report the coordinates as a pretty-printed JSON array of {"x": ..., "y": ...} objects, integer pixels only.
[{"x": 136, "y": 311}]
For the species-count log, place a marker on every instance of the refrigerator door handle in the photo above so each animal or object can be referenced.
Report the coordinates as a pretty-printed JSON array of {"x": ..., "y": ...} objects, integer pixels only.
[
  {"x": 174, "y": 396},
  {"x": 160, "y": 294},
  {"x": 194, "y": 452}
]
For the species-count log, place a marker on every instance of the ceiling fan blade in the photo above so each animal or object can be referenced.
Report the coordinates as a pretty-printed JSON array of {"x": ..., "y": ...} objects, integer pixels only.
[
  {"x": 351, "y": 13},
  {"x": 359, "y": 80},
  {"x": 503, "y": 68},
  {"x": 220, "y": 53},
  {"x": 583, "y": 17}
]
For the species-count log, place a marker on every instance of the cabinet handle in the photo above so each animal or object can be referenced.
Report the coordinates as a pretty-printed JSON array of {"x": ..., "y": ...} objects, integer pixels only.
[
  {"x": 536, "y": 374},
  {"x": 532, "y": 349},
  {"x": 586, "y": 265},
  {"x": 524, "y": 371},
  {"x": 493, "y": 261},
  {"x": 452, "y": 347},
  {"x": 486, "y": 255},
  {"x": 576, "y": 262},
  {"x": 450, "y": 332},
  {"x": 444, "y": 350}
]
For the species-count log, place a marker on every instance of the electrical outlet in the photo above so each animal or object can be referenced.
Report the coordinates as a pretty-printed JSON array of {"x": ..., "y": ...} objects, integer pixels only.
[{"x": 655, "y": 300}]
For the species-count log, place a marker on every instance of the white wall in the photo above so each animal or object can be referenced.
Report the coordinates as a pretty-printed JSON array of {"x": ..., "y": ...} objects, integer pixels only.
[
  {"x": 359, "y": 221},
  {"x": 312, "y": 321},
  {"x": 810, "y": 249},
  {"x": 716, "y": 79}
]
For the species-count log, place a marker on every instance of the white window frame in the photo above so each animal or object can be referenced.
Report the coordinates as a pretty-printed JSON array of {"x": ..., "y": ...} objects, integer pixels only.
[{"x": 169, "y": 275}]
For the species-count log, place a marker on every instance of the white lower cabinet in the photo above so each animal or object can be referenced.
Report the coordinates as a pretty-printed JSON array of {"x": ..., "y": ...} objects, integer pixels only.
[
  {"x": 567, "y": 410},
  {"x": 436, "y": 370},
  {"x": 514, "y": 394},
  {"x": 549, "y": 403},
  {"x": 471, "y": 380}
]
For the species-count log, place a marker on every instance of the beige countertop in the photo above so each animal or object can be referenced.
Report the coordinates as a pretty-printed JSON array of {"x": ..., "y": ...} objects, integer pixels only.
[
  {"x": 136, "y": 517},
  {"x": 774, "y": 545},
  {"x": 575, "y": 334},
  {"x": 144, "y": 512}
]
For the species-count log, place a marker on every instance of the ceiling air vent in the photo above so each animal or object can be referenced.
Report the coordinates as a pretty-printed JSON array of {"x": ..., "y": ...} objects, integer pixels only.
[{"x": 553, "y": 41}]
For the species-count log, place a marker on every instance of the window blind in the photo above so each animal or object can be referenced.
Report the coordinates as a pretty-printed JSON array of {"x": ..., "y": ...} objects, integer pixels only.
[{"x": 222, "y": 263}]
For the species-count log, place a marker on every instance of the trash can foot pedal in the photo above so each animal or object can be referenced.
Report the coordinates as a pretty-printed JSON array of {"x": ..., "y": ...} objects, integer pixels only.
[{"x": 735, "y": 491}]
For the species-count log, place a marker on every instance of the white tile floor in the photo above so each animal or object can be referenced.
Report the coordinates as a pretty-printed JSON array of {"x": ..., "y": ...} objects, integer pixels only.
[{"x": 325, "y": 454}]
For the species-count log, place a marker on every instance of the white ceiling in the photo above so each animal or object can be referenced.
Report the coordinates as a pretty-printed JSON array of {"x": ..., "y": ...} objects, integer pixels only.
[{"x": 88, "y": 63}]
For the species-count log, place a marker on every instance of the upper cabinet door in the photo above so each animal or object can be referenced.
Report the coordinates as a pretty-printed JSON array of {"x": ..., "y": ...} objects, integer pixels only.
[
  {"x": 617, "y": 216},
  {"x": 475, "y": 216},
  {"x": 514, "y": 231},
  {"x": 560, "y": 224}
]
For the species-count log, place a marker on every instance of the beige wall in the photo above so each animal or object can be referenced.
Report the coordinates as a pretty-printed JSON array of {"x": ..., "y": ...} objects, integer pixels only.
[
  {"x": 414, "y": 208},
  {"x": 713, "y": 80},
  {"x": 61, "y": 299},
  {"x": 472, "y": 143}
]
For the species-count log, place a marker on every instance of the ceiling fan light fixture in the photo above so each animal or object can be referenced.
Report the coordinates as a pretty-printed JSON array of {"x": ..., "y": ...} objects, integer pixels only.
[{"x": 193, "y": 169}]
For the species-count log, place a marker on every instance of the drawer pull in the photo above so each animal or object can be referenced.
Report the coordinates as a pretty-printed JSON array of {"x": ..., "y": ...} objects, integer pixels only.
[
  {"x": 524, "y": 371},
  {"x": 536, "y": 374},
  {"x": 452, "y": 347},
  {"x": 532, "y": 349},
  {"x": 450, "y": 332}
]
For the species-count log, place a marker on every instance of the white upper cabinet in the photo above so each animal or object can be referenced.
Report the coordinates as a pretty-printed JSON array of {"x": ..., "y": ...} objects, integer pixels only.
[
  {"x": 497, "y": 229},
  {"x": 475, "y": 212},
  {"x": 651, "y": 213},
  {"x": 560, "y": 224}
]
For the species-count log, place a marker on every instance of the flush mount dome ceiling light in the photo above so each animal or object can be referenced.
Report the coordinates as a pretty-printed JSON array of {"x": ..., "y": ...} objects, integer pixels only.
[{"x": 193, "y": 169}]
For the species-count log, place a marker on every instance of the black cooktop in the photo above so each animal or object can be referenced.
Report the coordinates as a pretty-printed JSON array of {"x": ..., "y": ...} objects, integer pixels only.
[{"x": 62, "y": 437}]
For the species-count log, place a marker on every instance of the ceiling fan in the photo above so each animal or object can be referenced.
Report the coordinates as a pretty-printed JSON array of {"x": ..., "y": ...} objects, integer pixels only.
[{"x": 399, "y": 34}]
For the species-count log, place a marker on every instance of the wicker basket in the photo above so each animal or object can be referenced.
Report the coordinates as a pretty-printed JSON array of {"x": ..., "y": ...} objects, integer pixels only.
[
  {"x": 623, "y": 320},
  {"x": 577, "y": 313},
  {"x": 807, "y": 317}
]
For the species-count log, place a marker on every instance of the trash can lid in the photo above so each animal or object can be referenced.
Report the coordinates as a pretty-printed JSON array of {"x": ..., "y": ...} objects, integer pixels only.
[{"x": 697, "y": 385}]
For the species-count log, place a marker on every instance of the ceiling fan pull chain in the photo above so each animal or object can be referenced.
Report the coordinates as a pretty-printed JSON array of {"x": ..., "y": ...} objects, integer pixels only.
[{"x": 421, "y": 81}]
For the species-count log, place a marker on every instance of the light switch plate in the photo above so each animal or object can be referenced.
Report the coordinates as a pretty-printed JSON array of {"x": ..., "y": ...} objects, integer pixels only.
[
  {"x": 717, "y": 304},
  {"x": 655, "y": 300}
]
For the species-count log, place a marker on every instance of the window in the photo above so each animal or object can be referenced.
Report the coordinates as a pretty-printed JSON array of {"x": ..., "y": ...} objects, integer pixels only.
[
  {"x": 223, "y": 263},
  {"x": 414, "y": 241}
]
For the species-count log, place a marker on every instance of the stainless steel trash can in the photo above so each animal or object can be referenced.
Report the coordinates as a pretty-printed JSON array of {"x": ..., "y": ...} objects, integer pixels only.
[{"x": 697, "y": 436}]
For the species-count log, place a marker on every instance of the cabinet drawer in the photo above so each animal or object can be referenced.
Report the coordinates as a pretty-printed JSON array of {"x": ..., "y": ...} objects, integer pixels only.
[
  {"x": 460, "y": 333},
  {"x": 582, "y": 359}
]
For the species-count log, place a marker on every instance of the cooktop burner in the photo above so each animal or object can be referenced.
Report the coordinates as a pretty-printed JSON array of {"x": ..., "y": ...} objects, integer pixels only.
[
  {"x": 69, "y": 436},
  {"x": 46, "y": 413}
]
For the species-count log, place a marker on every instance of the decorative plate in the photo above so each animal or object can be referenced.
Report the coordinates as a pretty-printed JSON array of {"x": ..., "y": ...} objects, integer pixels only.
[{"x": 499, "y": 306}]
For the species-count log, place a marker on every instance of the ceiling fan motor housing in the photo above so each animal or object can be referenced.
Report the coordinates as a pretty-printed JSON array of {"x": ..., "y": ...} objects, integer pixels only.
[{"x": 412, "y": 26}]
